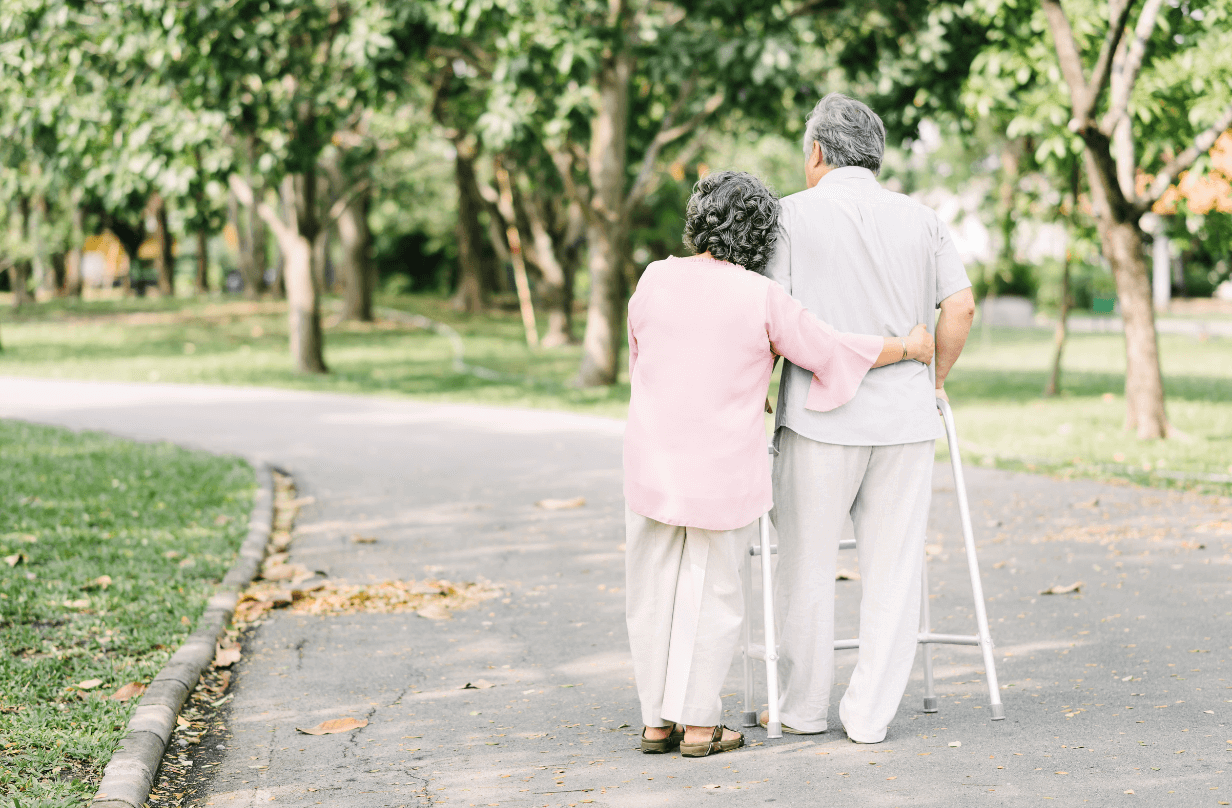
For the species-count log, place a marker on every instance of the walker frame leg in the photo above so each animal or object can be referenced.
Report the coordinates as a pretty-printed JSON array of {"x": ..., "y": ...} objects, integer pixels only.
[
  {"x": 774, "y": 726},
  {"x": 977, "y": 589},
  {"x": 930, "y": 695},
  {"x": 749, "y": 717}
]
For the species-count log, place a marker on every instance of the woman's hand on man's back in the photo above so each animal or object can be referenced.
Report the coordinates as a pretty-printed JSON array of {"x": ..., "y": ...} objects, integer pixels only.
[{"x": 920, "y": 345}]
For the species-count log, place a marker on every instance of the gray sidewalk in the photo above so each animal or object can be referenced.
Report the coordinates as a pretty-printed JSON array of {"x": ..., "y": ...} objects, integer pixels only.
[{"x": 1123, "y": 687}]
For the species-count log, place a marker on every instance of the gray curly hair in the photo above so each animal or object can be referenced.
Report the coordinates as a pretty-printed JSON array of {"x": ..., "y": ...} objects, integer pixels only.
[
  {"x": 849, "y": 132},
  {"x": 733, "y": 215}
]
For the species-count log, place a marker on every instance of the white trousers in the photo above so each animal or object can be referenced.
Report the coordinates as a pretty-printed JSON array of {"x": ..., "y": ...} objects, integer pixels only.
[
  {"x": 886, "y": 491},
  {"x": 684, "y": 609}
]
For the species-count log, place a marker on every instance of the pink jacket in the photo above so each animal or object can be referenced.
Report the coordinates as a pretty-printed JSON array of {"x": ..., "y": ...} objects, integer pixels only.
[{"x": 702, "y": 339}]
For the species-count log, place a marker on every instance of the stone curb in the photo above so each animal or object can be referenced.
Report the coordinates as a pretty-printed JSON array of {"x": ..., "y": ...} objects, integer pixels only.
[{"x": 130, "y": 774}]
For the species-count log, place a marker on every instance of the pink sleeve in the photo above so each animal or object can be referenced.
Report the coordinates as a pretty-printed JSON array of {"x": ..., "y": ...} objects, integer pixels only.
[{"x": 838, "y": 360}]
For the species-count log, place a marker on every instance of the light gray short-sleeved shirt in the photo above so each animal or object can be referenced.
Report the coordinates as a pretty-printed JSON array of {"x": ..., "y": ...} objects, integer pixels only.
[{"x": 870, "y": 261}]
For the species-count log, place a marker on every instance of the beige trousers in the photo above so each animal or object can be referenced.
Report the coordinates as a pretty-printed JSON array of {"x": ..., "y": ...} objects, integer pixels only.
[
  {"x": 886, "y": 491},
  {"x": 684, "y": 608}
]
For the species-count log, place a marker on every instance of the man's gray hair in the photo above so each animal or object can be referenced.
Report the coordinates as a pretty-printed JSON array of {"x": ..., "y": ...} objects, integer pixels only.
[{"x": 849, "y": 132}]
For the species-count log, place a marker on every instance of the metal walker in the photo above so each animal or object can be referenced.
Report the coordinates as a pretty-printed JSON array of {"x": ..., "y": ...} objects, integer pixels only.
[{"x": 768, "y": 652}]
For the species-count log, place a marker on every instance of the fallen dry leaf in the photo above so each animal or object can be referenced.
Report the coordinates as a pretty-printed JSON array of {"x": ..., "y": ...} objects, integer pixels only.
[
  {"x": 846, "y": 575},
  {"x": 357, "y": 539},
  {"x": 89, "y": 684},
  {"x": 128, "y": 691},
  {"x": 226, "y": 657},
  {"x": 80, "y": 603},
  {"x": 102, "y": 582},
  {"x": 712, "y": 785},
  {"x": 560, "y": 504},
  {"x": 15, "y": 559},
  {"x": 285, "y": 572},
  {"x": 434, "y": 611},
  {"x": 478, "y": 684},
  {"x": 1058, "y": 589},
  {"x": 335, "y": 725}
]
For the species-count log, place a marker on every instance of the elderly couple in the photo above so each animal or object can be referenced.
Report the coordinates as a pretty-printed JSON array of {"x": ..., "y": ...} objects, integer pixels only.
[{"x": 842, "y": 281}]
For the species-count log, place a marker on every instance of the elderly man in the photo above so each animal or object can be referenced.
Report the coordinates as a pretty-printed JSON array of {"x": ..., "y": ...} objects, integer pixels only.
[{"x": 871, "y": 261}]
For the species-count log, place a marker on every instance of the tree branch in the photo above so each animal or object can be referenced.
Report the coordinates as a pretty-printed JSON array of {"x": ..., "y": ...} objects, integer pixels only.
[
  {"x": 1202, "y": 143},
  {"x": 1067, "y": 55},
  {"x": 1125, "y": 74},
  {"x": 666, "y": 135},
  {"x": 1100, "y": 72},
  {"x": 563, "y": 160},
  {"x": 243, "y": 192},
  {"x": 343, "y": 202}
]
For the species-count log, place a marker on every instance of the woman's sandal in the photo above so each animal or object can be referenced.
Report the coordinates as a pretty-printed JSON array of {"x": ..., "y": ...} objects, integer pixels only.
[
  {"x": 715, "y": 745},
  {"x": 662, "y": 746}
]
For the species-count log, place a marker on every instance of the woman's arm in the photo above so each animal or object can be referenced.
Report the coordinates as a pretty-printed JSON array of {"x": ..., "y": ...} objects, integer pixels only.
[
  {"x": 917, "y": 345},
  {"x": 839, "y": 360}
]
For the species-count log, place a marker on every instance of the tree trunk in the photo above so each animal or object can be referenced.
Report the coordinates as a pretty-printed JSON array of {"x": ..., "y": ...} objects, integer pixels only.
[
  {"x": 1123, "y": 246},
  {"x": 203, "y": 261},
  {"x": 72, "y": 264},
  {"x": 19, "y": 271},
  {"x": 250, "y": 231},
  {"x": 164, "y": 261},
  {"x": 1053, "y": 387},
  {"x": 608, "y": 233},
  {"x": 40, "y": 264},
  {"x": 514, "y": 238},
  {"x": 472, "y": 289},
  {"x": 358, "y": 275},
  {"x": 554, "y": 291},
  {"x": 303, "y": 294}
]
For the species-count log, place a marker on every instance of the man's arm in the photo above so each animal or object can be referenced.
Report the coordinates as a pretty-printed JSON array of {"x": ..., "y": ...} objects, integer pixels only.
[{"x": 957, "y": 312}]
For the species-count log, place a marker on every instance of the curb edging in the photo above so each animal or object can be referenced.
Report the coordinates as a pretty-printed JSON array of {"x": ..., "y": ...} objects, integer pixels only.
[{"x": 130, "y": 774}]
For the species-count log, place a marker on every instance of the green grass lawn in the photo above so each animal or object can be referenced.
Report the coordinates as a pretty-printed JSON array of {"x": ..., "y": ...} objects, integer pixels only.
[
  {"x": 995, "y": 388},
  {"x": 162, "y": 524}
]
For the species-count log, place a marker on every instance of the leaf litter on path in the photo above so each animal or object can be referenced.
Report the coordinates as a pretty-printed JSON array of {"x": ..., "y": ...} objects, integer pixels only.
[
  {"x": 561, "y": 504},
  {"x": 1059, "y": 589},
  {"x": 434, "y": 599},
  {"x": 335, "y": 725}
]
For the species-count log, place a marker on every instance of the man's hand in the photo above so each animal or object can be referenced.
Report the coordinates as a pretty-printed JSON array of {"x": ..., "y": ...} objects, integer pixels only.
[
  {"x": 941, "y": 394},
  {"x": 920, "y": 344}
]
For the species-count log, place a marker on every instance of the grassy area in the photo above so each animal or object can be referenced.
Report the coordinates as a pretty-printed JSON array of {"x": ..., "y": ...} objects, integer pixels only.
[
  {"x": 995, "y": 388},
  {"x": 237, "y": 342},
  {"x": 1002, "y": 417},
  {"x": 110, "y": 550}
]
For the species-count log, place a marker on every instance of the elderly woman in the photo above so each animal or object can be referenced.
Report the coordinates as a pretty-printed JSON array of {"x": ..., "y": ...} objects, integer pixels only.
[{"x": 703, "y": 333}]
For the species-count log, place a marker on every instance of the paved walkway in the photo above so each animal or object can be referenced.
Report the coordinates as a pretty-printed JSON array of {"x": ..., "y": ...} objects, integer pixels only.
[{"x": 1123, "y": 687}]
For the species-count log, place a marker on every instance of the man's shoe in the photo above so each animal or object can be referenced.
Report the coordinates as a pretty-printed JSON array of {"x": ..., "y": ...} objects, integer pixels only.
[{"x": 764, "y": 720}]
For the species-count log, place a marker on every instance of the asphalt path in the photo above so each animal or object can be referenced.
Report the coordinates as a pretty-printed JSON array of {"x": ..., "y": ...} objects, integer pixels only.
[{"x": 1117, "y": 694}]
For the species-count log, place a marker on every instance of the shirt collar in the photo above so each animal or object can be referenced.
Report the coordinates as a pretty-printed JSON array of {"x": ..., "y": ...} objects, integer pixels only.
[{"x": 849, "y": 174}]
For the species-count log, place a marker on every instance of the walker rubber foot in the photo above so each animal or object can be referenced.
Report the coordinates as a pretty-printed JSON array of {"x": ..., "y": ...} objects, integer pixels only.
[
  {"x": 774, "y": 730},
  {"x": 748, "y": 719},
  {"x": 930, "y": 705},
  {"x": 998, "y": 712}
]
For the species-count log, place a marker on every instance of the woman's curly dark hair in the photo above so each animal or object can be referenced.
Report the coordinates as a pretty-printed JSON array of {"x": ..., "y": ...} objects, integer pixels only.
[{"x": 733, "y": 215}]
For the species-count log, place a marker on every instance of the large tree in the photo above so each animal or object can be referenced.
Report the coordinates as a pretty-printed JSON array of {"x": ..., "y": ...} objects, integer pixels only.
[
  {"x": 613, "y": 88},
  {"x": 290, "y": 75},
  {"x": 1141, "y": 91}
]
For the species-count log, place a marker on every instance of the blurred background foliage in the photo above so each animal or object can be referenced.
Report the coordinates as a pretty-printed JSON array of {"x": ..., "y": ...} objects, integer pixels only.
[{"x": 412, "y": 144}]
